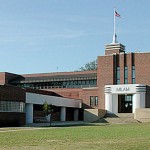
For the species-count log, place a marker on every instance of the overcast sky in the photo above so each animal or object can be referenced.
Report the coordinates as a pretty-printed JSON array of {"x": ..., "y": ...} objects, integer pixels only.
[{"x": 40, "y": 36}]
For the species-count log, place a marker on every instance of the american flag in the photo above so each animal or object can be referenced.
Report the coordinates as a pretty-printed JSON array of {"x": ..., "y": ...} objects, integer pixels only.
[{"x": 117, "y": 15}]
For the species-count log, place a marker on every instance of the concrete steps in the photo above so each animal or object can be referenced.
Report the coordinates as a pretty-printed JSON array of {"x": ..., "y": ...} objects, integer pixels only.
[{"x": 119, "y": 118}]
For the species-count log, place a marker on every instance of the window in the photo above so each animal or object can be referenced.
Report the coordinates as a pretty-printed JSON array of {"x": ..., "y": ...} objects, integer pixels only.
[
  {"x": 75, "y": 82},
  {"x": 83, "y": 82},
  {"x": 118, "y": 75},
  {"x": 96, "y": 100},
  {"x": 93, "y": 100},
  {"x": 71, "y": 83},
  {"x": 87, "y": 82},
  {"x": 10, "y": 106},
  {"x": 126, "y": 75},
  {"x": 95, "y": 82},
  {"x": 79, "y": 82},
  {"x": 133, "y": 75},
  {"x": 128, "y": 98}
]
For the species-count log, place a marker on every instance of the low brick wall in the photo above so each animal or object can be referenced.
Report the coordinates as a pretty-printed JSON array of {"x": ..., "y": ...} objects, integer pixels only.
[
  {"x": 9, "y": 119},
  {"x": 142, "y": 114},
  {"x": 91, "y": 115}
]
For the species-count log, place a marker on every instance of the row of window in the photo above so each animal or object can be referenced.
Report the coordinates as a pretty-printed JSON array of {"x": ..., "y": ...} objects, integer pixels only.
[
  {"x": 125, "y": 75},
  {"x": 93, "y": 100},
  {"x": 133, "y": 74},
  {"x": 10, "y": 106},
  {"x": 60, "y": 84}
]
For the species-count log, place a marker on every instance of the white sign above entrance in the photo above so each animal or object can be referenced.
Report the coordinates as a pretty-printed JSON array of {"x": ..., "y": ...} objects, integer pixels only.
[{"x": 124, "y": 89}]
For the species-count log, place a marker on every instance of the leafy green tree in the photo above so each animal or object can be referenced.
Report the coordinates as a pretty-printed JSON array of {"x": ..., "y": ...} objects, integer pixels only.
[
  {"x": 89, "y": 66},
  {"x": 48, "y": 110}
]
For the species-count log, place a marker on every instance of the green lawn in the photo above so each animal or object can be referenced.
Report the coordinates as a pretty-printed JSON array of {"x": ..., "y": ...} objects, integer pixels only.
[{"x": 96, "y": 136}]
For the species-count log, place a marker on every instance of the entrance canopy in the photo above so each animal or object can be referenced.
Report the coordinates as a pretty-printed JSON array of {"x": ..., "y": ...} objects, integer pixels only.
[{"x": 112, "y": 92}]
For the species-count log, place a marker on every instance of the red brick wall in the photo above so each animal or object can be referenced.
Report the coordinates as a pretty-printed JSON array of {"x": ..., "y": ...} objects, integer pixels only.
[
  {"x": 12, "y": 117},
  {"x": 86, "y": 93},
  {"x": 105, "y": 76},
  {"x": 122, "y": 64},
  {"x": 10, "y": 76},
  {"x": 2, "y": 78},
  {"x": 75, "y": 93},
  {"x": 83, "y": 94},
  {"x": 142, "y": 68},
  {"x": 12, "y": 93},
  {"x": 106, "y": 71},
  {"x": 142, "y": 72},
  {"x": 5, "y": 77},
  {"x": 129, "y": 65}
]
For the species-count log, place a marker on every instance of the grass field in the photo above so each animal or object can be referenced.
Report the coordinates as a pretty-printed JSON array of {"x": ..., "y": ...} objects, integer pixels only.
[{"x": 95, "y": 137}]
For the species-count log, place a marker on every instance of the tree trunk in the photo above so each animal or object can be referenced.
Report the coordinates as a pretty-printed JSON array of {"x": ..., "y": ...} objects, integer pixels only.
[{"x": 50, "y": 119}]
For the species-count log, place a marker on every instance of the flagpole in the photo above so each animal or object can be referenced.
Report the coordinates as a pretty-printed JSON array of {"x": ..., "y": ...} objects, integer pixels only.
[
  {"x": 114, "y": 35},
  {"x": 114, "y": 22}
]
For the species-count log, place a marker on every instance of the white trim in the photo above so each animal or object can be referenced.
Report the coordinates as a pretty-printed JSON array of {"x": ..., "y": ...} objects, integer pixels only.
[{"x": 33, "y": 98}]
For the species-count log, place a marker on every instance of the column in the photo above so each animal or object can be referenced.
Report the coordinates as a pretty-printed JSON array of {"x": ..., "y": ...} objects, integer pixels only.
[
  {"x": 115, "y": 103},
  {"x": 76, "y": 113},
  {"x": 138, "y": 101},
  {"x": 29, "y": 113},
  {"x": 108, "y": 102},
  {"x": 142, "y": 96},
  {"x": 63, "y": 114}
]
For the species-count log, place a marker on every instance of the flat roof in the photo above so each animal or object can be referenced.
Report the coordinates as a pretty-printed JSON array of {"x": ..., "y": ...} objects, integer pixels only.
[{"x": 59, "y": 76}]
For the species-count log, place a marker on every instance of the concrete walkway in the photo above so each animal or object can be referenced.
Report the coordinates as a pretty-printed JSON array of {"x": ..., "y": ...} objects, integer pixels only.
[
  {"x": 41, "y": 126},
  {"x": 57, "y": 124}
]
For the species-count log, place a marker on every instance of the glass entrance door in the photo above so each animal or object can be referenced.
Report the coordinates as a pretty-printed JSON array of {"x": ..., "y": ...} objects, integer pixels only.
[{"x": 125, "y": 103}]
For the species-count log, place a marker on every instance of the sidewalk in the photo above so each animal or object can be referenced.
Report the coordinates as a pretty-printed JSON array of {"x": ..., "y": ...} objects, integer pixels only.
[{"x": 57, "y": 124}]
